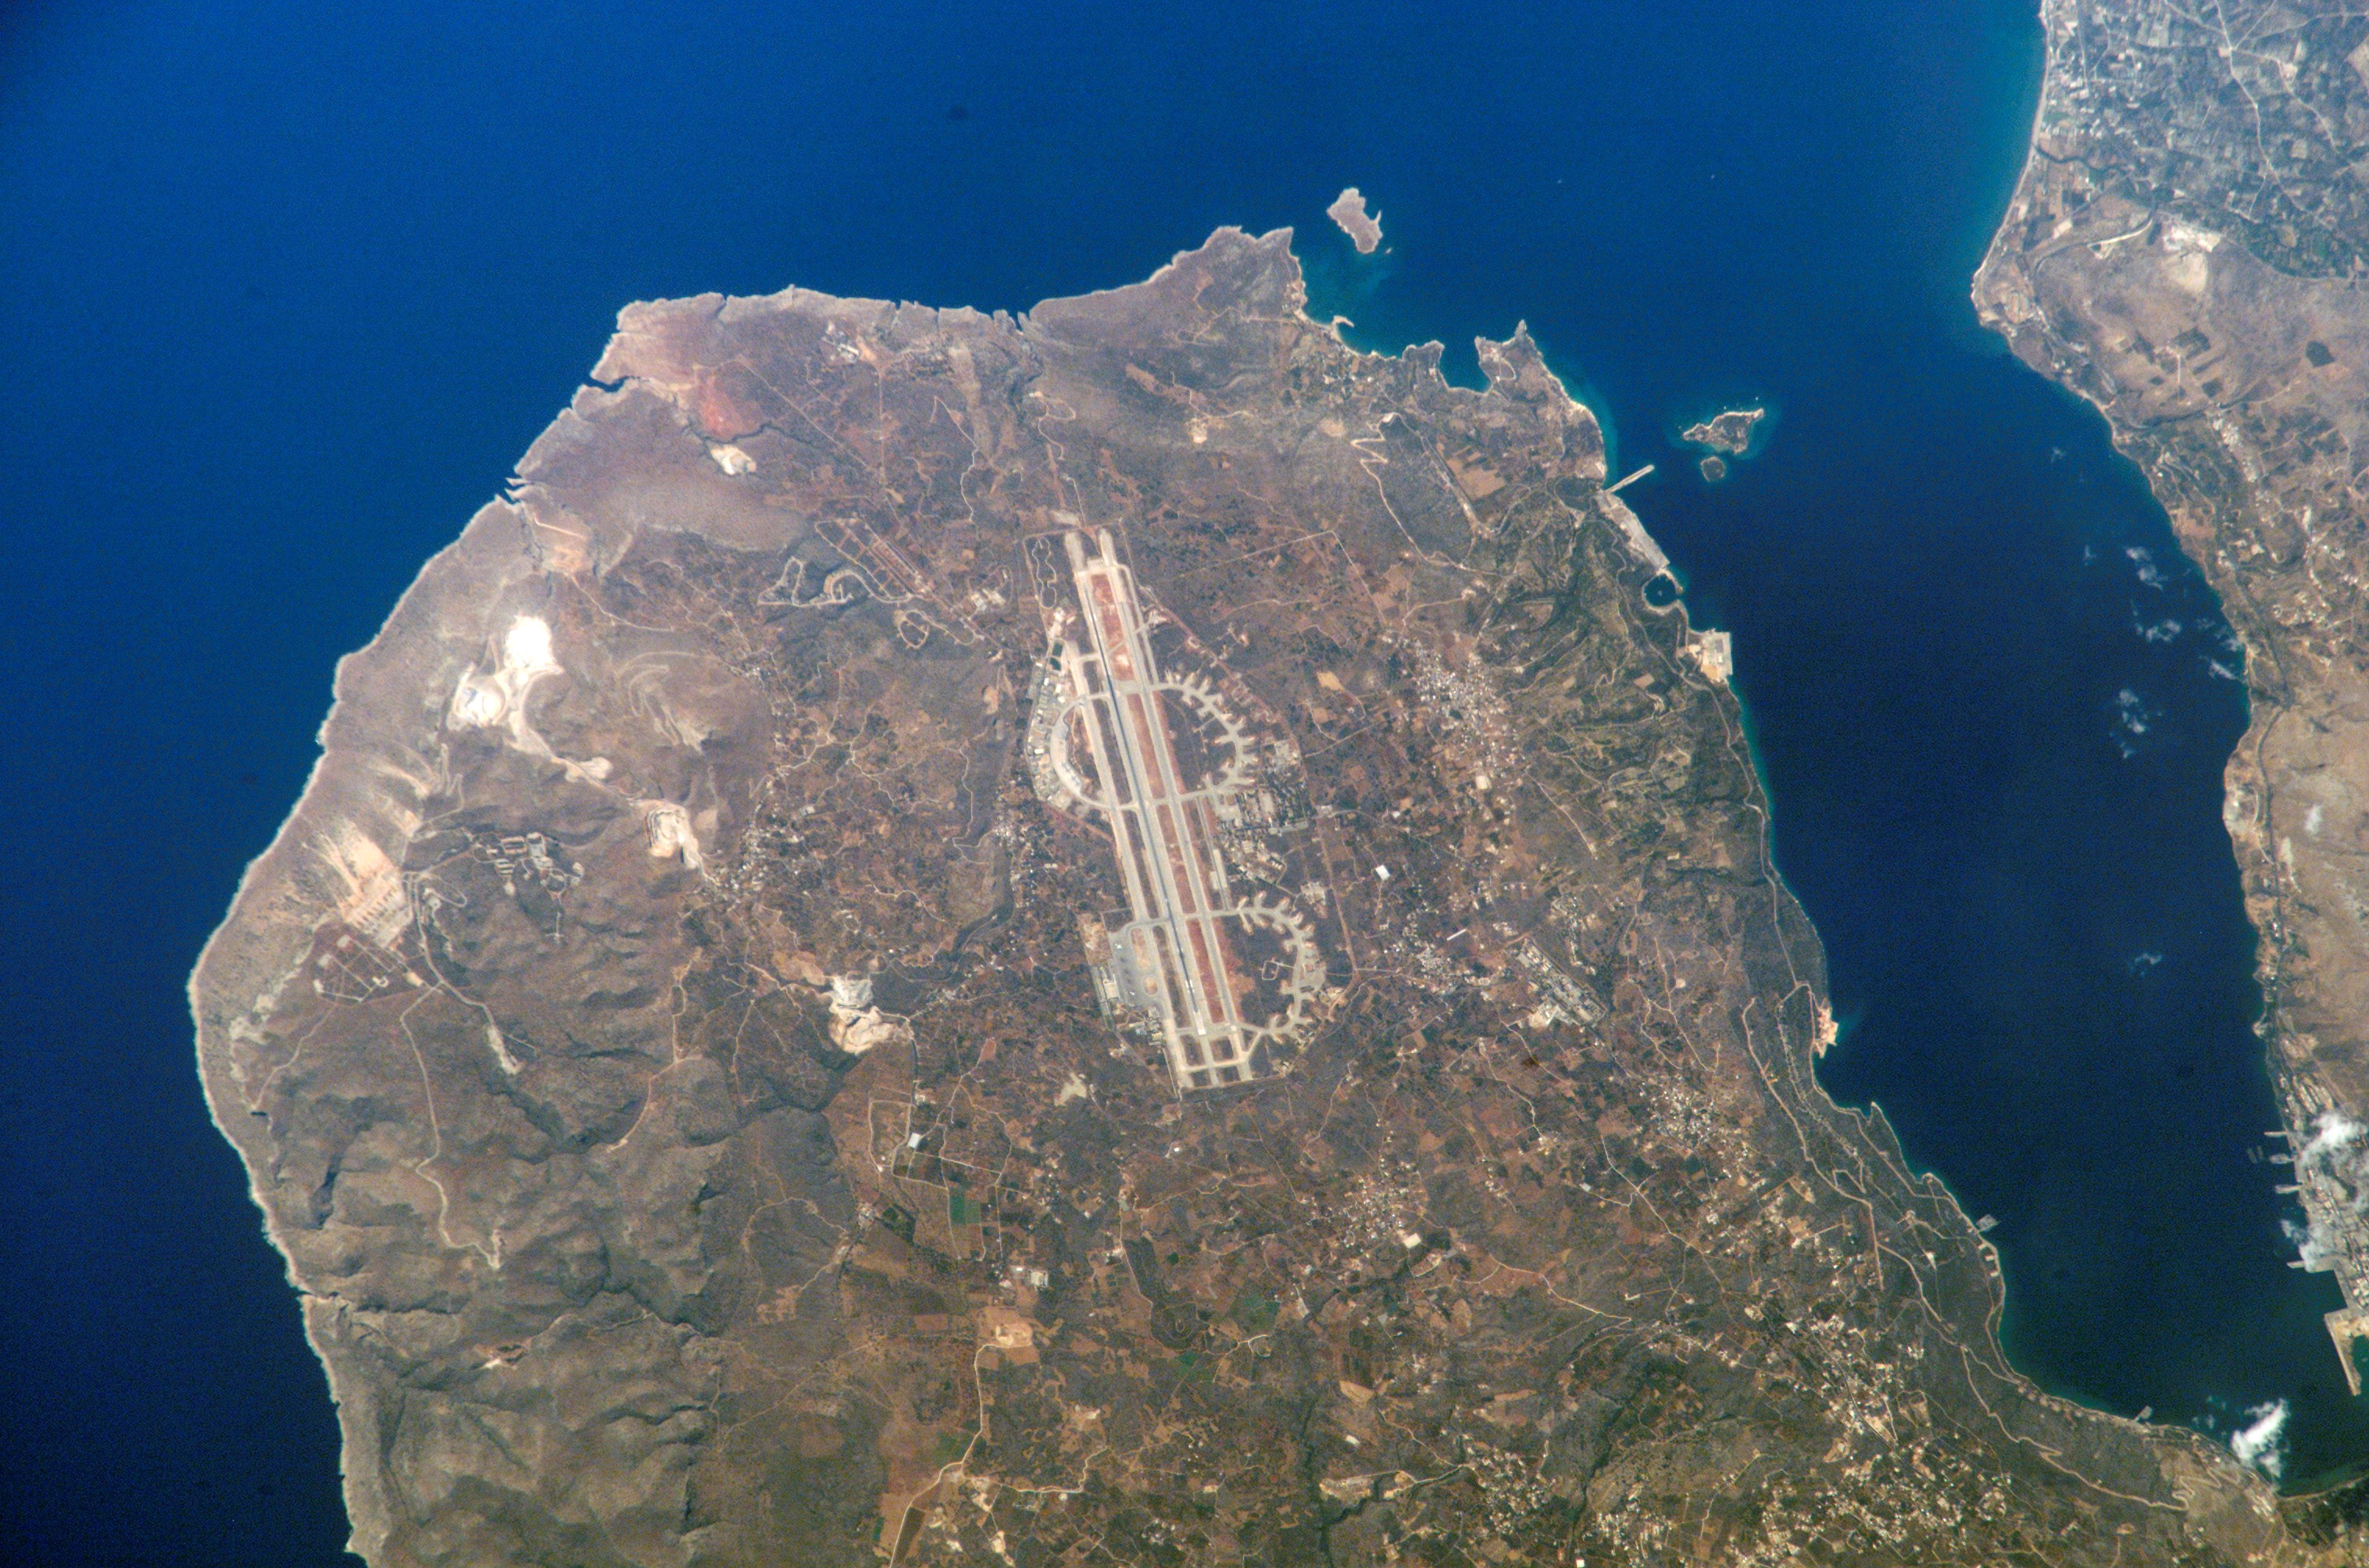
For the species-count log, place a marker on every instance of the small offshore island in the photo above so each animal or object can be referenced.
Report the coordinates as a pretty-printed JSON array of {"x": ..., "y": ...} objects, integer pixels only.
[
  {"x": 1348, "y": 213},
  {"x": 1727, "y": 434}
]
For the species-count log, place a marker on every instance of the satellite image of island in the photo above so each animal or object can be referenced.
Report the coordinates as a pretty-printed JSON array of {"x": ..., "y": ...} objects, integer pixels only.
[
  {"x": 1722, "y": 436},
  {"x": 1142, "y": 932}
]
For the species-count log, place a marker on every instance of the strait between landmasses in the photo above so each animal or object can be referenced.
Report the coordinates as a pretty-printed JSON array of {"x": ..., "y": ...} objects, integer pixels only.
[
  {"x": 1113, "y": 936},
  {"x": 2187, "y": 250}
]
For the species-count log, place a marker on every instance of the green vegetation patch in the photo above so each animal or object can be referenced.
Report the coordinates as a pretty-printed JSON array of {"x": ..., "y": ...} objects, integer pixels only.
[{"x": 1253, "y": 1312}]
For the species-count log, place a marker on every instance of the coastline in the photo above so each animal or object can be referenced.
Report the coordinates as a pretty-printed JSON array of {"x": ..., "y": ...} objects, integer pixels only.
[
  {"x": 243, "y": 956},
  {"x": 354, "y": 1400},
  {"x": 255, "y": 950},
  {"x": 2043, "y": 321},
  {"x": 1679, "y": 201}
]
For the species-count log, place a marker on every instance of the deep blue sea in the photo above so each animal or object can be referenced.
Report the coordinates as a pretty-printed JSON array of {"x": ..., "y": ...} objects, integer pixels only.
[{"x": 285, "y": 291}]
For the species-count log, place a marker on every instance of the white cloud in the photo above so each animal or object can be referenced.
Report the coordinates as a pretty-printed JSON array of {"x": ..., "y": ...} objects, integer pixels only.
[
  {"x": 2132, "y": 717},
  {"x": 2312, "y": 1242},
  {"x": 2332, "y": 1132},
  {"x": 2262, "y": 1443}
]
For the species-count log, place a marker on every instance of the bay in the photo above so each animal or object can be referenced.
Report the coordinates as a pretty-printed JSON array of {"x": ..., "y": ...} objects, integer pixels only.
[{"x": 286, "y": 290}]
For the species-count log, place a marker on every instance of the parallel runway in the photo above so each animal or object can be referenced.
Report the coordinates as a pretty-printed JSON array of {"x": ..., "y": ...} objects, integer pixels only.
[{"x": 1165, "y": 833}]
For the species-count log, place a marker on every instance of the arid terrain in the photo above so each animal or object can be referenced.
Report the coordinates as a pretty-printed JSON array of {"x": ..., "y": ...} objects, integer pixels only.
[{"x": 1117, "y": 938}]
